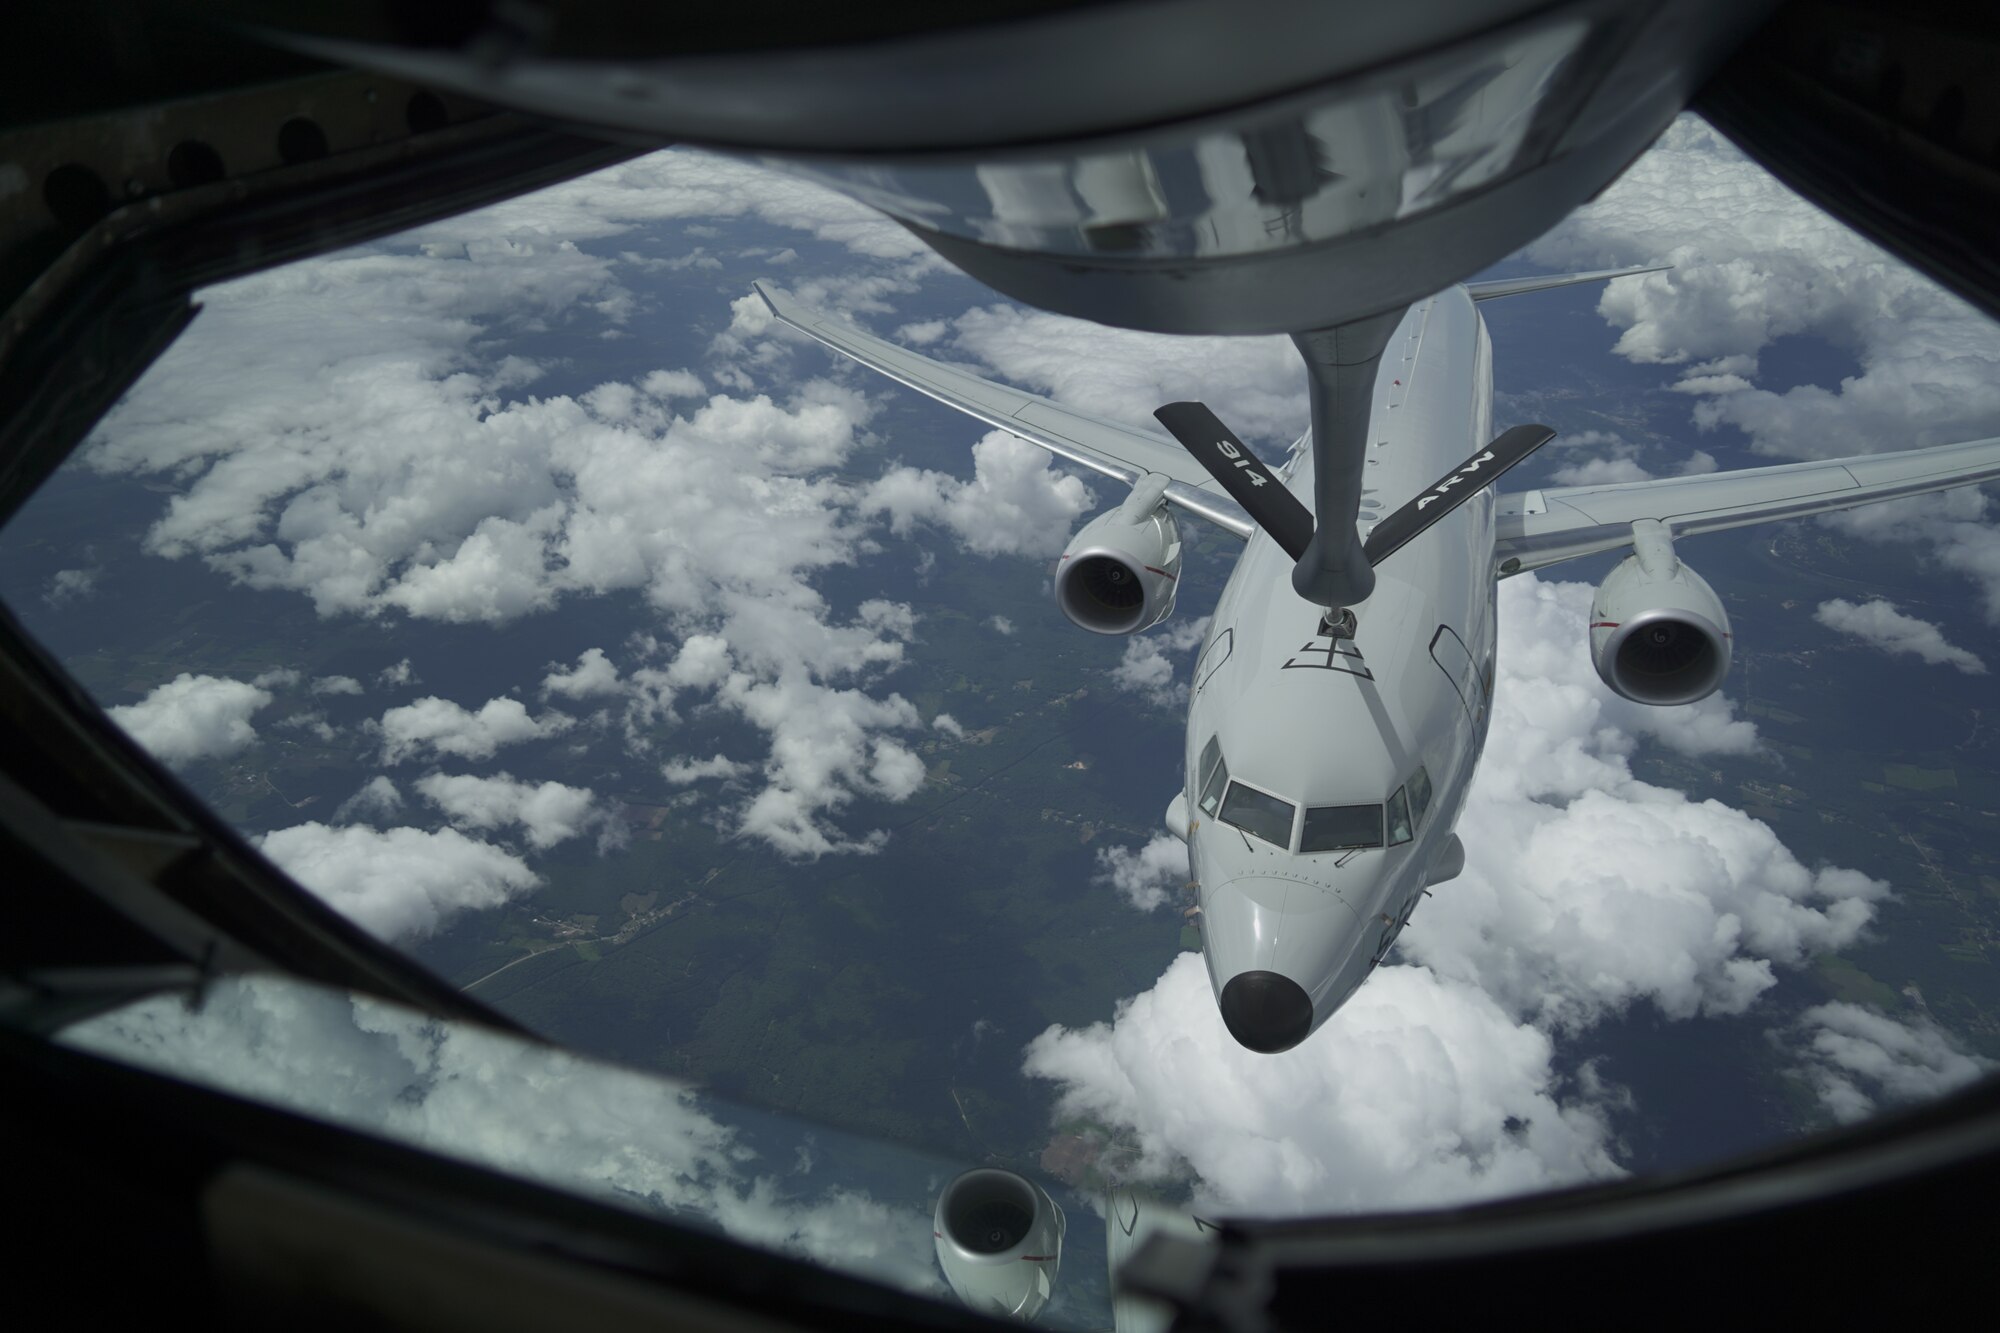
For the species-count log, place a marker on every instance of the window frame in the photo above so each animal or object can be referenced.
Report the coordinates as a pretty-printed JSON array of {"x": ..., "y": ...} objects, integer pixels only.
[
  {"x": 1292, "y": 828},
  {"x": 1419, "y": 809},
  {"x": 1219, "y": 769},
  {"x": 1381, "y": 829},
  {"x": 1397, "y": 797}
]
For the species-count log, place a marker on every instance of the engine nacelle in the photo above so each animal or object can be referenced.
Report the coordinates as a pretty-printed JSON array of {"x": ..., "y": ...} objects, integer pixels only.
[
  {"x": 1658, "y": 633},
  {"x": 1119, "y": 574},
  {"x": 999, "y": 1241}
]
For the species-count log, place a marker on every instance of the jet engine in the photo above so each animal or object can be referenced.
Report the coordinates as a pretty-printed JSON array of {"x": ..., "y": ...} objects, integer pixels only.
[
  {"x": 1119, "y": 574},
  {"x": 1658, "y": 633},
  {"x": 999, "y": 1241}
]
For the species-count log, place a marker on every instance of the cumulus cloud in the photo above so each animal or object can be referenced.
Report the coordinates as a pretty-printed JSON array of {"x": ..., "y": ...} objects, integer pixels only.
[
  {"x": 1586, "y": 891},
  {"x": 1954, "y": 526},
  {"x": 335, "y": 685},
  {"x": 826, "y": 748},
  {"x": 70, "y": 585},
  {"x": 314, "y": 722},
  {"x": 949, "y": 725},
  {"x": 520, "y": 1108},
  {"x": 297, "y": 478},
  {"x": 1420, "y": 1092},
  {"x": 674, "y": 384},
  {"x": 1017, "y": 503},
  {"x": 1753, "y": 264},
  {"x": 193, "y": 717},
  {"x": 441, "y": 727},
  {"x": 1600, "y": 472},
  {"x": 719, "y": 519},
  {"x": 680, "y": 772},
  {"x": 547, "y": 813},
  {"x": 398, "y": 883},
  {"x": 1148, "y": 878},
  {"x": 1879, "y": 623},
  {"x": 1856, "y": 1058},
  {"x": 1000, "y": 624},
  {"x": 318, "y": 421},
  {"x": 377, "y": 802},
  {"x": 1148, "y": 666},
  {"x": 592, "y": 674},
  {"x": 1257, "y": 385}
]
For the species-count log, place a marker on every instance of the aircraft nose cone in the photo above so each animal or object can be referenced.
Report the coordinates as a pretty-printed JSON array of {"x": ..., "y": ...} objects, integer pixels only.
[{"x": 1266, "y": 1012}]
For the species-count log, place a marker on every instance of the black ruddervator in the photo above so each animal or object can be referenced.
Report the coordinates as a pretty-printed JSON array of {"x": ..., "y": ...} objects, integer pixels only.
[{"x": 1278, "y": 511}]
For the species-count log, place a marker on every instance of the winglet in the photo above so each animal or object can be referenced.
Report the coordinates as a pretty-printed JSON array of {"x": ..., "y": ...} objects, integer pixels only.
[{"x": 1487, "y": 291}]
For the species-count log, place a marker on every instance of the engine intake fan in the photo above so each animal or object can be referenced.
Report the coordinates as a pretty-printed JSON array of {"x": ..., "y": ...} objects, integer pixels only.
[
  {"x": 1119, "y": 574},
  {"x": 999, "y": 1241},
  {"x": 1658, "y": 633}
]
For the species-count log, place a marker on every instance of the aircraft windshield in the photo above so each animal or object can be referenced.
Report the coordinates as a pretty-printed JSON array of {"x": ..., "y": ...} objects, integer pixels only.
[
  {"x": 1260, "y": 813},
  {"x": 1333, "y": 828}
]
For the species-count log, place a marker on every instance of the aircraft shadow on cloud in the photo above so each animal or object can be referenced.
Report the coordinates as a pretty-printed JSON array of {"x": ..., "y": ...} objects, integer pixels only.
[{"x": 1341, "y": 699}]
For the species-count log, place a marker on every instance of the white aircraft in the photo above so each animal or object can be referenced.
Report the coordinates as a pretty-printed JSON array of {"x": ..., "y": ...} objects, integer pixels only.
[{"x": 1330, "y": 746}]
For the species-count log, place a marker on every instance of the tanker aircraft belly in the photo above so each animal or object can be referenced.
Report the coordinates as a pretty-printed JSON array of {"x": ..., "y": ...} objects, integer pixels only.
[{"x": 1329, "y": 750}]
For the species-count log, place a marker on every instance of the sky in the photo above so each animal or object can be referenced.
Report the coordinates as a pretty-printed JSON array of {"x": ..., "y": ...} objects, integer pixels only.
[{"x": 371, "y": 433}]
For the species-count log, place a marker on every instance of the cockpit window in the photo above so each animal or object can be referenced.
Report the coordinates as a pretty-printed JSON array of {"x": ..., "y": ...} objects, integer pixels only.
[
  {"x": 1211, "y": 753},
  {"x": 1399, "y": 819},
  {"x": 1217, "y": 777},
  {"x": 1420, "y": 795},
  {"x": 1260, "y": 813},
  {"x": 1333, "y": 828}
]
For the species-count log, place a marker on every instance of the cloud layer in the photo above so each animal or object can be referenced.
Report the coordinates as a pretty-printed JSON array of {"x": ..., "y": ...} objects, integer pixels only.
[
  {"x": 546, "y": 813},
  {"x": 194, "y": 717},
  {"x": 1148, "y": 878},
  {"x": 1881, "y": 625},
  {"x": 1753, "y": 263},
  {"x": 1147, "y": 668},
  {"x": 1856, "y": 1058},
  {"x": 356, "y": 429},
  {"x": 401, "y": 882},
  {"x": 519, "y": 1108}
]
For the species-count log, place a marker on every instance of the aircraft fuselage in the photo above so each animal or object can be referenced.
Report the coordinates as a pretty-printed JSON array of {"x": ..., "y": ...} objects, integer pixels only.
[{"x": 1297, "y": 914}]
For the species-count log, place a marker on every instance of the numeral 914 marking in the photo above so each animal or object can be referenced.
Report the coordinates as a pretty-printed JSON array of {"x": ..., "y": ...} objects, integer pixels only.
[{"x": 1232, "y": 453}]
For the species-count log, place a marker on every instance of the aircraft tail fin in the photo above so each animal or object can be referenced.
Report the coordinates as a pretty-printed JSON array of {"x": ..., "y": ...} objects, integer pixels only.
[{"x": 1487, "y": 291}]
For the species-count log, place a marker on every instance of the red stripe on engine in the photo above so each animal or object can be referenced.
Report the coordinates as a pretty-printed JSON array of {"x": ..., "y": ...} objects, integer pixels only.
[
  {"x": 1604, "y": 624},
  {"x": 1154, "y": 569}
]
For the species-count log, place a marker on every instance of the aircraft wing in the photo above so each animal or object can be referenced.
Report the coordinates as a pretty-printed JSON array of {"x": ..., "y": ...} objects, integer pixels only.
[
  {"x": 1541, "y": 282},
  {"x": 1112, "y": 449},
  {"x": 1546, "y": 527}
]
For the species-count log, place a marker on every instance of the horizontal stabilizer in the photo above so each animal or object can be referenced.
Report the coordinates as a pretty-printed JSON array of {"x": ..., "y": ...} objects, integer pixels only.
[
  {"x": 1453, "y": 489},
  {"x": 1242, "y": 474},
  {"x": 1487, "y": 291}
]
